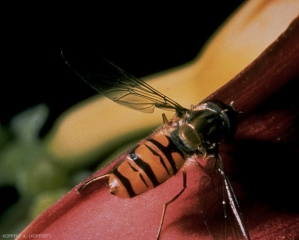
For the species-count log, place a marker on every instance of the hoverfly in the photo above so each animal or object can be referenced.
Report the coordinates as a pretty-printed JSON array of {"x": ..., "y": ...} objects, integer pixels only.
[{"x": 190, "y": 133}]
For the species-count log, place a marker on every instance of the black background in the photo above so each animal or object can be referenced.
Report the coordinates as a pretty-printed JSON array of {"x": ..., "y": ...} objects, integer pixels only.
[{"x": 140, "y": 38}]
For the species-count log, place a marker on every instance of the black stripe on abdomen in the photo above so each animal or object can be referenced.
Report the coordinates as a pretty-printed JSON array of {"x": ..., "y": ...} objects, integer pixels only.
[
  {"x": 161, "y": 159},
  {"x": 126, "y": 183},
  {"x": 145, "y": 167},
  {"x": 167, "y": 151}
]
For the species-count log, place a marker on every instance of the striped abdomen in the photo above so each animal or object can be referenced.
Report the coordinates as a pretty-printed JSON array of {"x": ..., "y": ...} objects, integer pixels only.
[{"x": 145, "y": 167}]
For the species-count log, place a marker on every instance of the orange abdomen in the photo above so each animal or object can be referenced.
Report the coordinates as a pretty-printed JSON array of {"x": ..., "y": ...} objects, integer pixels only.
[{"x": 145, "y": 167}]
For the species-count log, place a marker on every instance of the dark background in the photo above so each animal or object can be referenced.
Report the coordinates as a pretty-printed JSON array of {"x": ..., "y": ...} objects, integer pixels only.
[{"x": 140, "y": 38}]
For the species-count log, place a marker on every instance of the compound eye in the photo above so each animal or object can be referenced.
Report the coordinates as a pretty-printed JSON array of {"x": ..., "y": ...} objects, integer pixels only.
[{"x": 189, "y": 135}]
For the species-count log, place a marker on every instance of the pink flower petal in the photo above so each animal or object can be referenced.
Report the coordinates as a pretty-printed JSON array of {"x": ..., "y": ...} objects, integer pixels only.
[{"x": 263, "y": 173}]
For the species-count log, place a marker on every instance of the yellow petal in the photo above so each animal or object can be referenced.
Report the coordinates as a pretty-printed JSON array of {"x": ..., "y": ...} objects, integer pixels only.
[{"x": 100, "y": 125}]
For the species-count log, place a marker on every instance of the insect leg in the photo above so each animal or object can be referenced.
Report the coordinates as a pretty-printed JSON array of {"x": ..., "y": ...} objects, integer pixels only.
[
  {"x": 90, "y": 181},
  {"x": 165, "y": 120},
  {"x": 170, "y": 201},
  {"x": 233, "y": 203}
]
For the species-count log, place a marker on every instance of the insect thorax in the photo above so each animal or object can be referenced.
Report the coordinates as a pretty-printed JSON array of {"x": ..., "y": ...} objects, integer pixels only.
[{"x": 204, "y": 127}]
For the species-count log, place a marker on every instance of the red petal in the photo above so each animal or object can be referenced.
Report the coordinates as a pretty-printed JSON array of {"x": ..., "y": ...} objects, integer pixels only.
[{"x": 264, "y": 151}]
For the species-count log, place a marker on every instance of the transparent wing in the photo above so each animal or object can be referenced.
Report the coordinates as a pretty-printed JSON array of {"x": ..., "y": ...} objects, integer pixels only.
[
  {"x": 220, "y": 209},
  {"x": 125, "y": 89}
]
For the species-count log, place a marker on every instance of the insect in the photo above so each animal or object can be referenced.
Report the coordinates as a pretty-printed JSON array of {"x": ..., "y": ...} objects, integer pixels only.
[{"x": 191, "y": 132}]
